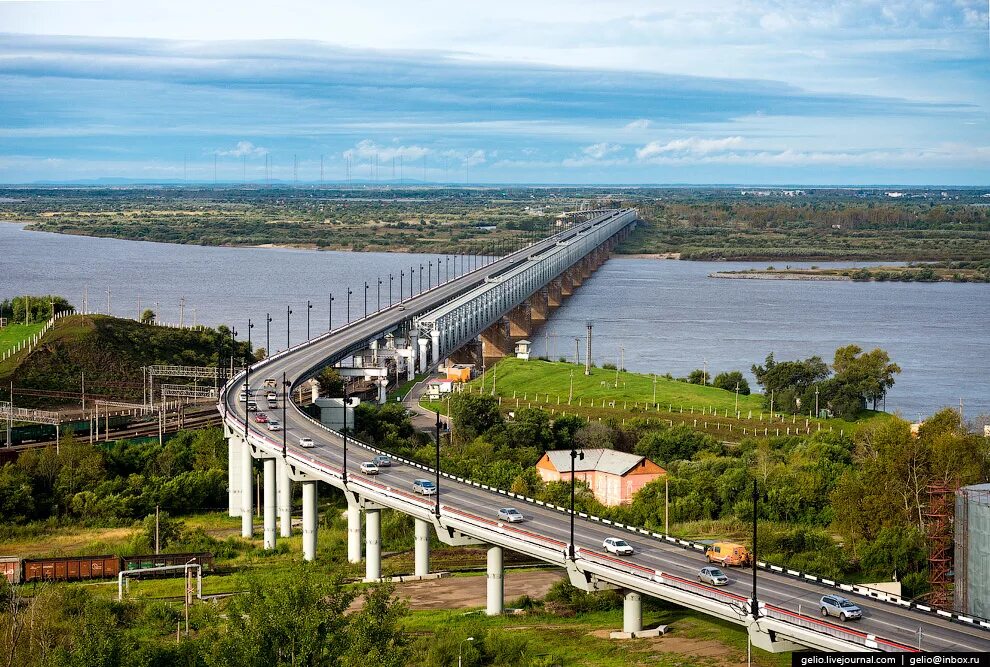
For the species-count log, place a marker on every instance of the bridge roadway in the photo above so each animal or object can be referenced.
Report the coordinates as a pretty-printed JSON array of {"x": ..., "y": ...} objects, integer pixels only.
[{"x": 469, "y": 512}]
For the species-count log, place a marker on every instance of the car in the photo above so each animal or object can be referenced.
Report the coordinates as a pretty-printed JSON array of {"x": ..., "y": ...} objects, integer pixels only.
[
  {"x": 252, "y": 406},
  {"x": 713, "y": 576},
  {"x": 272, "y": 405},
  {"x": 261, "y": 418},
  {"x": 836, "y": 605},
  {"x": 618, "y": 546},
  {"x": 242, "y": 396},
  {"x": 274, "y": 425},
  {"x": 306, "y": 443},
  {"x": 271, "y": 396},
  {"x": 382, "y": 461},
  {"x": 728, "y": 553},
  {"x": 270, "y": 382},
  {"x": 510, "y": 514},
  {"x": 425, "y": 487},
  {"x": 369, "y": 468}
]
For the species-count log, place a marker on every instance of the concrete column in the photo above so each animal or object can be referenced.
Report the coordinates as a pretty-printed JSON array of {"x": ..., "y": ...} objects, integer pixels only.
[
  {"x": 382, "y": 391},
  {"x": 373, "y": 544},
  {"x": 413, "y": 343},
  {"x": 284, "y": 485},
  {"x": 496, "y": 583},
  {"x": 234, "y": 475},
  {"x": 422, "y": 548},
  {"x": 247, "y": 491},
  {"x": 423, "y": 362},
  {"x": 310, "y": 519},
  {"x": 270, "y": 494},
  {"x": 632, "y": 613},
  {"x": 353, "y": 533},
  {"x": 435, "y": 338}
]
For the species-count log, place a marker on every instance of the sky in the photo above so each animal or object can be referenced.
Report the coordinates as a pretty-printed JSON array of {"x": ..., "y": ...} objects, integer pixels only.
[{"x": 808, "y": 92}]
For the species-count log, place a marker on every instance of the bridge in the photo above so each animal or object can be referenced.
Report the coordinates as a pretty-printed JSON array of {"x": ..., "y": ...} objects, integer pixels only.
[{"x": 495, "y": 302}]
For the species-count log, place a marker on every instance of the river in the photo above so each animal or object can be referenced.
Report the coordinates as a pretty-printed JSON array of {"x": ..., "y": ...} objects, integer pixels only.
[{"x": 669, "y": 316}]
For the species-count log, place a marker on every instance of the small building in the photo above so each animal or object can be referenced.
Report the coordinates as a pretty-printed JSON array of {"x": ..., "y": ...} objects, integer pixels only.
[
  {"x": 460, "y": 372},
  {"x": 522, "y": 349},
  {"x": 614, "y": 477},
  {"x": 332, "y": 411},
  {"x": 438, "y": 387}
]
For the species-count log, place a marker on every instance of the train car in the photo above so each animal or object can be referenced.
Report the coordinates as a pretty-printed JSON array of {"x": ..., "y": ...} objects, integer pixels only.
[
  {"x": 129, "y": 563},
  {"x": 10, "y": 567},
  {"x": 71, "y": 568}
]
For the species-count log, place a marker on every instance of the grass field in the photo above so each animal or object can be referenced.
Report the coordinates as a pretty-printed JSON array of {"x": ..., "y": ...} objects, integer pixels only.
[
  {"x": 623, "y": 396},
  {"x": 13, "y": 334}
]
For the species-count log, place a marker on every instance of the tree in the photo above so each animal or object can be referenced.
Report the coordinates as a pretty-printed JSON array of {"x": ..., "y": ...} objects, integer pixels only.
[
  {"x": 473, "y": 415},
  {"x": 375, "y": 633},
  {"x": 786, "y": 383},
  {"x": 330, "y": 381},
  {"x": 675, "y": 444},
  {"x": 596, "y": 435},
  {"x": 169, "y": 529},
  {"x": 870, "y": 375},
  {"x": 698, "y": 376},
  {"x": 148, "y": 316},
  {"x": 729, "y": 381}
]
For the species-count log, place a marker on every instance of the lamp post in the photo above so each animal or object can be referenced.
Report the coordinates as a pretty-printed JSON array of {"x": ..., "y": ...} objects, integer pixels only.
[
  {"x": 309, "y": 307},
  {"x": 365, "y": 298},
  {"x": 247, "y": 383},
  {"x": 402, "y": 281},
  {"x": 412, "y": 275},
  {"x": 330, "y": 319},
  {"x": 756, "y": 606},
  {"x": 268, "y": 334},
  {"x": 288, "y": 320},
  {"x": 436, "y": 509},
  {"x": 429, "y": 274},
  {"x": 349, "y": 292},
  {"x": 285, "y": 402},
  {"x": 447, "y": 269},
  {"x": 575, "y": 454},
  {"x": 460, "y": 648},
  {"x": 421, "y": 278},
  {"x": 379, "y": 292},
  {"x": 343, "y": 474},
  {"x": 233, "y": 347},
  {"x": 390, "y": 277}
]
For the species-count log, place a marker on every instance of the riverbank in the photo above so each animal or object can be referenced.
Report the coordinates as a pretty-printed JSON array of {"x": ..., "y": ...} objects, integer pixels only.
[{"x": 949, "y": 272}]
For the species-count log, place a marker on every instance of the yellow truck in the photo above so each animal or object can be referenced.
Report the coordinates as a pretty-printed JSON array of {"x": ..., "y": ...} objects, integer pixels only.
[{"x": 727, "y": 554}]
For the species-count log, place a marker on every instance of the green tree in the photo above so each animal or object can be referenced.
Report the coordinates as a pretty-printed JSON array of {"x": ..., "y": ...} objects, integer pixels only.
[
  {"x": 869, "y": 374},
  {"x": 699, "y": 376},
  {"x": 331, "y": 384},
  {"x": 730, "y": 380},
  {"x": 148, "y": 316},
  {"x": 169, "y": 529},
  {"x": 473, "y": 415},
  {"x": 375, "y": 633}
]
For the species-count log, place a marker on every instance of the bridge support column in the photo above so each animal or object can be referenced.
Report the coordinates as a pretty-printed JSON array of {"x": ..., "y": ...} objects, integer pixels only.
[
  {"x": 310, "y": 519},
  {"x": 520, "y": 324},
  {"x": 423, "y": 361},
  {"x": 411, "y": 363},
  {"x": 247, "y": 491},
  {"x": 496, "y": 582},
  {"x": 353, "y": 532},
  {"x": 270, "y": 492},
  {"x": 435, "y": 349},
  {"x": 495, "y": 342},
  {"x": 632, "y": 613},
  {"x": 422, "y": 548},
  {"x": 539, "y": 308},
  {"x": 566, "y": 284},
  {"x": 554, "y": 296},
  {"x": 372, "y": 545},
  {"x": 284, "y": 486},
  {"x": 234, "y": 475}
]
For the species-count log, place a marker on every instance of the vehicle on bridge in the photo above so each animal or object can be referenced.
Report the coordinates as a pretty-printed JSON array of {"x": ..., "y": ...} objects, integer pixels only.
[
  {"x": 510, "y": 514},
  {"x": 252, "y": 406},
  {"x": 727, "y": 554},
  {"x": 369, "y": 468},
  {"x": 425, "y": 487},
  {"x": 836, "y": 605},
  {"x": 274, "y": 425},
  {"x": 713, "y": 576},
  {"x": 382, "y": 461},
  {"x": 306, "y": 443},
  {"x": 618, "y": 546},
  {"x": 270, "y": 382},
  {"x": 261, "y": 418}
]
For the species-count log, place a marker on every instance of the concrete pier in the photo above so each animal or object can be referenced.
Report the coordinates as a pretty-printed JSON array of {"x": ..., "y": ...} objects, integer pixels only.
[
  {"x": 632, "y": 613},
  {"x": 310, "y": 519},
  {"x": 284, "y": 485},
  {"x": 269, "y": 493},
  {"x": 422, "y": 548},
  {"x": 496, "y": 582},
  {"x": 372, "y": 544},
  {"x": 233, "y": 476},
  {"x": 353, "y": 532},
  {"x": 247, "y": 491}
]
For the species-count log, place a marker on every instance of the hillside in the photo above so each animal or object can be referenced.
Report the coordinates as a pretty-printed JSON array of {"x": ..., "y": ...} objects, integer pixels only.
[{"x": 110, "y": 352}]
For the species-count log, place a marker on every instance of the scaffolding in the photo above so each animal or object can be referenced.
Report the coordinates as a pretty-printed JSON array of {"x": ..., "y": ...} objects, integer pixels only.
[
  {"x": 971, "y": 562},
  {"x": 938, "y": 527}
]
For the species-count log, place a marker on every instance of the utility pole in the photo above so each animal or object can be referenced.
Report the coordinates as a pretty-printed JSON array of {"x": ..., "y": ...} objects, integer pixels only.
[
  {"x": 570, "y": 395},
  {"x": 288, "y": 320},
  {"x": 575, "y": 454},
  {"x": 737, "y": 398},
  {"x": 654, "y": 388},
  {"x": 577, "y": 350},
  {"x": 437, "y": 468},
  {"x": 108, "y": 300},
  {"x": 587, "y": 360},
  {"x": 157, "y": 541},
  {"x": 756, "y": 606},
  {"x": 704, "y": 374},
  {"x": 666, "y": 505},
  {"x": 182, "y": 307}
]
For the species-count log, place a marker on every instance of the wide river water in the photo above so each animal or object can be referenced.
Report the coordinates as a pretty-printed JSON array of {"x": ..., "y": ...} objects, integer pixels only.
[{"x": 669, "y": 316}]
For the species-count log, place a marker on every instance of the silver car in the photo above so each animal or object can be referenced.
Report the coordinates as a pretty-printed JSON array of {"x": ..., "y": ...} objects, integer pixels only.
[
  {"x": 618, "y": 546},
  {"x": 836, "y": 605},
  {"x": 510, "y": 514},
  {"x": 713, "y": 576}
]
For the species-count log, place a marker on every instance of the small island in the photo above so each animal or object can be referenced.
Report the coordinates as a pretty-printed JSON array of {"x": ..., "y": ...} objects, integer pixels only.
[{"x": 932, "y": 272}]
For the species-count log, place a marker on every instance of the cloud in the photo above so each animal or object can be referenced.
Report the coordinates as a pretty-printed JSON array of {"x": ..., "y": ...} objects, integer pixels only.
[
  {"x": 366, "y": 149},
  {"x": 600, "y": 150},
  {"x": 689, "y": 146},
  {"x": 638, "y": 124},
  {"x": 244, "y": 149}
]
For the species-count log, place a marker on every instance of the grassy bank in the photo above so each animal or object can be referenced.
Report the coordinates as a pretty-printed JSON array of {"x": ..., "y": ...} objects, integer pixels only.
[{"x": 13, "y": 334}]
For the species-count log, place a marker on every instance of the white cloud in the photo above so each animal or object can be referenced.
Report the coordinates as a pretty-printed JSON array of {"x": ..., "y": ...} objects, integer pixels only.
[
  {"x": 367, "y": 149},
  {"x": 689, "y": 146},
  {"x": 600, "y": 150},
  {"x": 243, "y": 149},
  {"x": 638, "y": 124}
]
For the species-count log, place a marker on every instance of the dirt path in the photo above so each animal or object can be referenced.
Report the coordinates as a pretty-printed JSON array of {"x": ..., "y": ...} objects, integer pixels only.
[{"x": 468, "y": 592}]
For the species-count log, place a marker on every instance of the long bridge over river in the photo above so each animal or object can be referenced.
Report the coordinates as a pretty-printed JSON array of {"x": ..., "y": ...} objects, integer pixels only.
[{"x": 497, "y": 302}]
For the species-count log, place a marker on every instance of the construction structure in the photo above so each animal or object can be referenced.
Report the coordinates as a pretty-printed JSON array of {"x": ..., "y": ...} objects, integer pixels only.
[
  {"x": 972, "y": 551},
  {"x": 938, "y": 528}
]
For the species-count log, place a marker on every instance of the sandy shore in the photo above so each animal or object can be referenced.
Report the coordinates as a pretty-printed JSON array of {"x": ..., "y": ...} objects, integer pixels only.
[{"x": 646, "y": 255}]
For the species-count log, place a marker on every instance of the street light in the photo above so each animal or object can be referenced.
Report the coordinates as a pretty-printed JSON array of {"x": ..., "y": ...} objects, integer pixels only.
[
  {"x": 460, "y": 647},
  {"x": 285, "y": 401},
  {"x": 365, "y": 298},
  {"x": 390, "y": 277},
  {"x": 379, "y": 293},
  {"x": 402, "y": 281},
  {"x": 309, "y": 307},
  {"x": 412, "y": 274},
  {"x": 436, "y": 509},
  {"x": 330, "y": 319},
  {"x": 349, "y": 292},
  {"x": 247, "y": 383},
  {"x": 575, "y": 454},
  {"x": 268, "y": 334},
  {"x": 288, "y": 319},
  {"x": 343, "y": 475},
  {"x": 421, "y": 278}
]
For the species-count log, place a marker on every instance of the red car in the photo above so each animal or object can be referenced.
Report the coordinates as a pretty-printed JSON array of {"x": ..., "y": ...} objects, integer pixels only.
[{"x": 261, "y": 418}]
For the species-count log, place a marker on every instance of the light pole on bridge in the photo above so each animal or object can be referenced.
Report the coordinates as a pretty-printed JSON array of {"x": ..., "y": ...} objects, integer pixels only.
[
  {"x": 379, "y": 292},
  {"x": 402, "y": 281},
  {"x": 268, "y": 334},
  {"x": 365, "y": 298},
  {"x": 247, "y": 382},
  {"x": 288, "y": 320},
  {"x": 330, "y": 319},
  {"x": 349, "y": 292},
  {"x": 309, "y": 307},
  {"x": 436, "y": 509},
  {"x": 575, "y": 454}
]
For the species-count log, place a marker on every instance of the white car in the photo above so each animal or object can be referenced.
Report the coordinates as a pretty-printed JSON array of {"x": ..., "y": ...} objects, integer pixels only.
[
  {"x": 369, "y": 468},
  {"x": 306, "y": 443},
  {"x": 274, "y": 425},
  {"x": 510, "y": 514},
  {"x": 712, "y": 575},
  {"x": 618, "y": 546}
]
